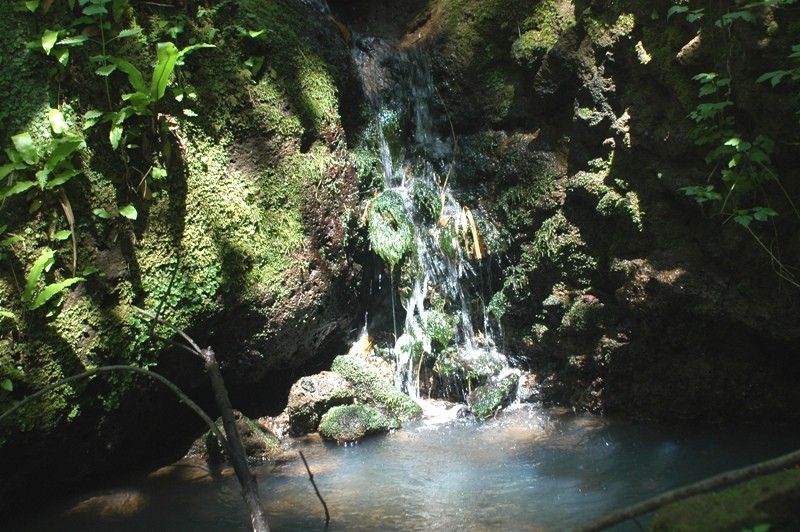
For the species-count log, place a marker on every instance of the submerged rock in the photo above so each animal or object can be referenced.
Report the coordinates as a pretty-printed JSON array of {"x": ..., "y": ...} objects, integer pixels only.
[{"x": 349, "y": 423}]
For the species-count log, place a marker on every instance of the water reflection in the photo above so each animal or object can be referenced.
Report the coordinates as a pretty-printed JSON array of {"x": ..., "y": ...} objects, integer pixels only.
[{"x": 528, "y": 469}]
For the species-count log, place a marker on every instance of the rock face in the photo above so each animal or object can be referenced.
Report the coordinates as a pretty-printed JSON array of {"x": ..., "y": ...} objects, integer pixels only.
[
  {"x": 228, "y": 207},
  {"x": 618, "y": 291}
]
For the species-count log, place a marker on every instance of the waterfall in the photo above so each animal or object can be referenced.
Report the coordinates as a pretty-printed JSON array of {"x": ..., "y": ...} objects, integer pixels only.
[{"x": 446, "y": 345}]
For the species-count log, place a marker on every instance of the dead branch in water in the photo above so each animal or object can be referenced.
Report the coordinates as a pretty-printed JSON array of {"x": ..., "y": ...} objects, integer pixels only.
[
  {"x": 704, "y": 486},
  {"x": 316, "y": 489},
  {"x": 234, "y": 441}
]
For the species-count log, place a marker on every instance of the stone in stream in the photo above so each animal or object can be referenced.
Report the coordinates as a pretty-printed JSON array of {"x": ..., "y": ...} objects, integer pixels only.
[
  {"x": 312, "y": 396},
  {"x": 489, "y": 398},
  {"x": 349, "y": 423}
]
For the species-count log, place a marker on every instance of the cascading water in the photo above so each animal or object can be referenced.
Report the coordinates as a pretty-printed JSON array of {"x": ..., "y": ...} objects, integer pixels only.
[{"x": 431, "y": 243}]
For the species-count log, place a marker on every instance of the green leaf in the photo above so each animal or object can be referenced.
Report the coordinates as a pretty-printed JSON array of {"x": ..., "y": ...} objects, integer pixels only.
[
  {"x": 62, "y": 235},
  {"x": 89, "y": 270},
  {"x": 25, "y": 147},
  {"x": 51, "y": 290},
  {"x": 135, "y": 77},
  {"x": 44, "y": 261},
  {"x": 189, "y": 112},
  {"x": 49, "y": 38},
  {"x": 106, "y": 70},
  {"x": 130, "y": 32},
  {"x": 255, "y": 33},
  {"x": 15, "y": 188},
  {"x": 743, "y": 220},
  {"x": 101, "y": 213},
  {"x": 57, "y": 122},
  {"x": 94, "y": 10},
  {"x": 674, "y": 10},
  {"x": 61, "y": 178},
  {"x": 63, "y": 148},
  {"x": 6, "y": 385},
  {"x": 10, "y": 167},
  {"x": 167, "y": 57},
  {"x": 32, "y": 5},
  {"x": 129, "y": 212},
  {"x": 73, "y": 40},
  {"x": 62, "y": 56}
]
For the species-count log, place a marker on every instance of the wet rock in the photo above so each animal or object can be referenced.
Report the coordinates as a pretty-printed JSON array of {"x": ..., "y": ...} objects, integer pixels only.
[
  {"x": 370, "y": 386},
  {"x": 312, "y": 396},
  {"x": 349, "y": 423},
  {"x": 259, "y": 445},
  {"x": 486, "y": 400}
]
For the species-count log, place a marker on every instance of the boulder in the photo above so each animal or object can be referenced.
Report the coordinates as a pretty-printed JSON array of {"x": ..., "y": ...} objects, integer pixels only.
[
  {"x": 349, "y": 423},
  {"x": 487, "y": 399},
  {"x": 312, "y": 396}
]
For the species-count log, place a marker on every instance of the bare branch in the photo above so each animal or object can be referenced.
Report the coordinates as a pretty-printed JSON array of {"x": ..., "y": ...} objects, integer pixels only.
[{"x": 704, "y": 486}]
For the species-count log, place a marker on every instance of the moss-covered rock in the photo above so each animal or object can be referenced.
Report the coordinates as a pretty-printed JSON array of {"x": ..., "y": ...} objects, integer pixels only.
[
  {"x": 259, "y": 445},
  {"x": 486, "y": 400},
  {"x": 312, "y": 396},
  {"x": 369, "y": 385},
  {"x": 350, "y": 423}
]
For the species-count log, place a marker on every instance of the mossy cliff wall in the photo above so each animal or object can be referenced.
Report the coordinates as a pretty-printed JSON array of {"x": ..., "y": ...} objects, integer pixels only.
[
  {"x": 247, "y": 242},
  {"x": 619, "y": 292}
]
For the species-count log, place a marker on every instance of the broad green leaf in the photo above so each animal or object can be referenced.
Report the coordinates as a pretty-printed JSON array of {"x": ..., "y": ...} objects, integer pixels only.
[
  {"x": 254, "y": 33},
  {"x": 167, "y": 57},
  {"x": 62, "y": 235},
  {"x": 61, "y": 178},
  {"x": 49, "y": 38},
  {"x": 6, "y": 385},
  {"x": 10, "y": 167},
  {"x": 63, "y": 148},
  {"x": 115, "y": 135},
  {"x": 62, "y": 56},
  {"x": 189, "y": 112},
  {"x": 135, "y": 77},
  {"x": 32, "y": 5},
  {"x": 675, "y": 10},
  {"x": 7, "y": 314},
  {"x": 10, "y": 240},
  {"x": 44, "y": 261},
  {"x": 94, "y": 10},
  {"x": 129, "y": 212},
  {"x": 101, "y": 213},
  {"x": 89, "y": 270},
  {"x": 25, "y": 147},
  {"x": 51, "y": 290},
  {"x": 106, "y": 70},
  {"x": 57, "y": 122},
  {"x": 15, "y": 188},
  {"x": 743, "y": 220},
  {"x": 93, "y": 114},
  {"x": 191, "y": 48}
]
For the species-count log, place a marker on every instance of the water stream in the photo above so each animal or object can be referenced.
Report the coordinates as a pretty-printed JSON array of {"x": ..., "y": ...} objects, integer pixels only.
[
  {"x": 446, "y": 341},
  {"x": 526, "y": 469}
]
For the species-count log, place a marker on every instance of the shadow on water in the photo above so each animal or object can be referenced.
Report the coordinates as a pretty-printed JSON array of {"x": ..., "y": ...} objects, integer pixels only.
[{"x": 527, "y": 469}]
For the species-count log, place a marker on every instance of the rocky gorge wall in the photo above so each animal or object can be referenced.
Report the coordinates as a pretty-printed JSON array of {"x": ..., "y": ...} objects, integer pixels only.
[
  {"x": 572, "y": 122},
  {"x": 618, "y": 292}
]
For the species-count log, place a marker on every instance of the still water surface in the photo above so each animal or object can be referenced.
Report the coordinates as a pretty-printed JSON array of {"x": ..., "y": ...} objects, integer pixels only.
[{"x": 528, "y": 469}]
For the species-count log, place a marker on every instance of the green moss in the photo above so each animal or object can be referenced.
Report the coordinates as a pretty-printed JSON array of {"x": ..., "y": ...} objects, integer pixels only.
[
  {"x": 370, "y": 385},
  {"x": 487, "y": 399},
  {"x": 542, "y": 30},
  {"x": 349, "y": 423},
  {"x": 582, "y": 316},
  {"x": 611, "y": 201},
  {"x": 391, "y": 232}
]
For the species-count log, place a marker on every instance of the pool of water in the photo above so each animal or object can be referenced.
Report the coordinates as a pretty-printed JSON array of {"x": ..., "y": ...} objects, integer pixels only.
[{"x": 527, "y": 469}]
